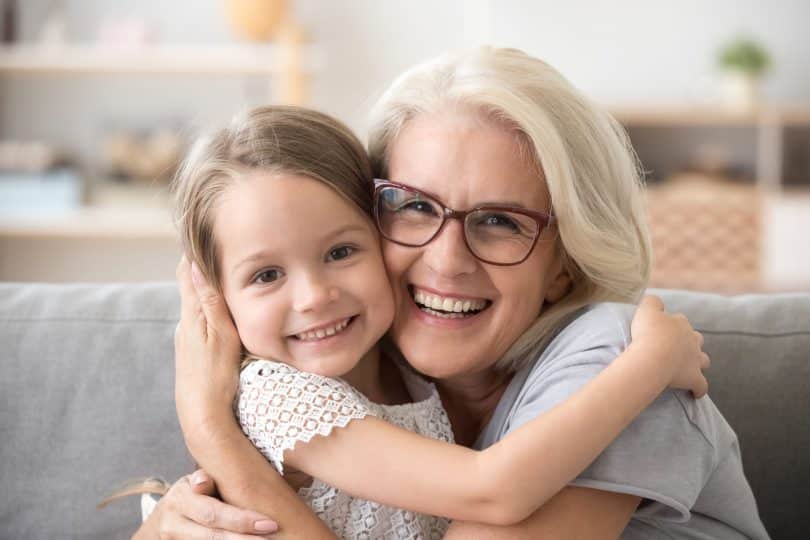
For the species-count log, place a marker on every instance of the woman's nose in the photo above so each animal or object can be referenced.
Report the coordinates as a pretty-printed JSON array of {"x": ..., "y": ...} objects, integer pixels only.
[
  {"x": 447, "y": 254},
  {"x": 312, "y": 293}
]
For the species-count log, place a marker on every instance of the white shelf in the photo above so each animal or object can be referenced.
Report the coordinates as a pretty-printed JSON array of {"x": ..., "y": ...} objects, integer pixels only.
[
  {"x": 114, "y": 211},
  {"x": 92, "y": 222},
  {"x": 158, "y": 59}
]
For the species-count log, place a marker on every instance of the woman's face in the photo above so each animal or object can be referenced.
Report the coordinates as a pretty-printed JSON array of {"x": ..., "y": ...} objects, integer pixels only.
[{"x": 466, "y": 161}]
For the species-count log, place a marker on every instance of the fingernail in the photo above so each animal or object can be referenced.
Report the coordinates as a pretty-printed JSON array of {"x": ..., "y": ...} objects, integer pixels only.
[
  {"x": 266, "y": 526},
  {"x": 198, "y": 478}
]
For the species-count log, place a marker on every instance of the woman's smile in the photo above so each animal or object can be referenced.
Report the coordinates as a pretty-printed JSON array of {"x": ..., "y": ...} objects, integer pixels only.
[{"x": 457, "y": 314}]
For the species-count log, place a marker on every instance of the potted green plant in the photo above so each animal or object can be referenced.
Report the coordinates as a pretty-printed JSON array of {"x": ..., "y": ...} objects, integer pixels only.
[{"x": 743, "y": 62}]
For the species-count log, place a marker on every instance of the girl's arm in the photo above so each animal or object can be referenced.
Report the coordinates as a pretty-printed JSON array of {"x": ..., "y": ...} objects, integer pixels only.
[
  {"x": 508, "y": 481},
  {"x": 375, "y": 460}
]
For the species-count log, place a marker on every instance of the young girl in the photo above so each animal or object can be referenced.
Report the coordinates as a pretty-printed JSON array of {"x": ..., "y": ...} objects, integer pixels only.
[{"x": 276, "y": 212}]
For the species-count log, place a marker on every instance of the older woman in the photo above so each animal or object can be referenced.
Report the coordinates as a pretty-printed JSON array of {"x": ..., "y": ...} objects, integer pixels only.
[{"x": 498, "y": 127}]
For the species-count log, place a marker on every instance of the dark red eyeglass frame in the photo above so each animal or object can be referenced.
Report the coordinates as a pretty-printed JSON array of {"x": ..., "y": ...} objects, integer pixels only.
[{"x": 542, "y": 219}]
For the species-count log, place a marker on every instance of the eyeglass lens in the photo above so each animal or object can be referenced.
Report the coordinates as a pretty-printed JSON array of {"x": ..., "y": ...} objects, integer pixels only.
[{"x": 493, "y": 235}]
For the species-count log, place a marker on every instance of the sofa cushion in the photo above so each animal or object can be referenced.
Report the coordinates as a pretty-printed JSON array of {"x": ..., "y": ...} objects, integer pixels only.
[{"x": 760, "y": 351}]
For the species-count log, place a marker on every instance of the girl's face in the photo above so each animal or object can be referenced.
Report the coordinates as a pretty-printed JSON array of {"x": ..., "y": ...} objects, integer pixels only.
[
  {"x": 466, "y": 161},
  {"x": 301, "y": 273}
]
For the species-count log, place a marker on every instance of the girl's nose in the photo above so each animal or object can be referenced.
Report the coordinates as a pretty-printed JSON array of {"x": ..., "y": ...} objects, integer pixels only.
[{"x": 313, "y": 293}]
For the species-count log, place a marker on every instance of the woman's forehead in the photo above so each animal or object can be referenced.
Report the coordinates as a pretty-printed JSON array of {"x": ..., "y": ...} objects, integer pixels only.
[{"x": 467, "y": 161}]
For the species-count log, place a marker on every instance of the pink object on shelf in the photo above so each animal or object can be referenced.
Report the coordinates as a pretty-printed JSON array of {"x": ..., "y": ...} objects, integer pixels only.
[{"x": 125, "y": 33}]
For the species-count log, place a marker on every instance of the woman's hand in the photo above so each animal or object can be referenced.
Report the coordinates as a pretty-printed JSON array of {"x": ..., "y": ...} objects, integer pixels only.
[
  {"x": 671, "y": 339},
  {"x": 188, "y": 511},
  {"x": 207, "y": 356}
]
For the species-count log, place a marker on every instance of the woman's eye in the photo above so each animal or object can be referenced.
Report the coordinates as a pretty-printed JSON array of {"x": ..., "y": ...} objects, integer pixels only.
[
  {"x": 500, "y": 220},
  {"x": 418, "y": 206},
  {"x": 341, "y": 252},
  {"x": 268, "y": 276}
]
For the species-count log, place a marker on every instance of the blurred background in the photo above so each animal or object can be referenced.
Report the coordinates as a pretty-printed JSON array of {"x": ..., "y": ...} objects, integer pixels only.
[{"x": 99, "y": 99}]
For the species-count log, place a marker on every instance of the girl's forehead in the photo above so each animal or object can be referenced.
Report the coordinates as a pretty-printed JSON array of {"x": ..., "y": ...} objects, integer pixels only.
[{"x": 282, "y": 212}]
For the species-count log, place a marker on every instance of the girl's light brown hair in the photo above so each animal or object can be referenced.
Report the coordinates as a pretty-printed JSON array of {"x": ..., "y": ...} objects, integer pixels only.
[{"x": 273, "y": 140}]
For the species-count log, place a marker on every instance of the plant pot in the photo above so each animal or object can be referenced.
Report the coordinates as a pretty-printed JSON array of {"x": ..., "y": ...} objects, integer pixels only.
[
  {"x": 740, "y": 91},
  {"x": 255, "y": 20}
]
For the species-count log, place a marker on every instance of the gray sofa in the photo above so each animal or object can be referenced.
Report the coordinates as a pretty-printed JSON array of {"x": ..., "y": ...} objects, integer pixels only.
[{"x": 87, "y": 381}]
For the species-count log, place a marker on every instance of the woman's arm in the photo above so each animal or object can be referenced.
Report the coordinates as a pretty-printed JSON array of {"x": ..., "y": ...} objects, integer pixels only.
[
  {"x": 375, "y": 460},
  {"x": 189, "y": 511},
  {"x": 207, "y": 351}
]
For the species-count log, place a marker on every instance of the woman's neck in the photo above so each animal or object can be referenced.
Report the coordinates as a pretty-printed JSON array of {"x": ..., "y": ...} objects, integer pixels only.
[
  {"x": 470, "y": 401},
  {"x": 377, "y": 378}
]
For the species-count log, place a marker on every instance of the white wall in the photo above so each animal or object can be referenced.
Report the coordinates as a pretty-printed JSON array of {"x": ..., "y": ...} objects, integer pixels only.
[
  {"x": 628, "y": 51},
  {"x": 651, "y": 50}
]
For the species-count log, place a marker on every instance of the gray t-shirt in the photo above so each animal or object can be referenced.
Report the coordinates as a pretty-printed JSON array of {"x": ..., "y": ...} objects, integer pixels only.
[{"x": 680, "y": 455}]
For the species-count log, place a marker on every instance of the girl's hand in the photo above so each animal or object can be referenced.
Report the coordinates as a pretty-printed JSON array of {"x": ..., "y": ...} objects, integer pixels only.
[
  {"x": 207, "y": 356},
  {"x": 671, "y": 339},
  {"x": 189, "y": 511}
]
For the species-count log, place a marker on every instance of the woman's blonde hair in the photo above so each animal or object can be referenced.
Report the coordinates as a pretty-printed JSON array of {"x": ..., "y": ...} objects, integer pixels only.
[
  {"x": 592, "y": 173},
  {"x": 274, "y": 140}
]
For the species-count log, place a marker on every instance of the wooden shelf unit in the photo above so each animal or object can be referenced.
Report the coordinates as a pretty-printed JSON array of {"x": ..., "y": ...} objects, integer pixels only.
[
  {"x": 289, "y": 65},
  {"x": 770, "y": 123}
]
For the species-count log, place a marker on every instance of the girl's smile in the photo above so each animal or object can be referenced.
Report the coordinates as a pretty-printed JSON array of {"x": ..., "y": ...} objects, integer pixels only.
[{"x": 302, "y": 273}]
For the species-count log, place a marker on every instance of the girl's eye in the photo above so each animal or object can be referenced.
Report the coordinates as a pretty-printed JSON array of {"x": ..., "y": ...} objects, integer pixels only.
[
  {"x": 268, "y": 276},
  {"x": 341, "y": 252}
]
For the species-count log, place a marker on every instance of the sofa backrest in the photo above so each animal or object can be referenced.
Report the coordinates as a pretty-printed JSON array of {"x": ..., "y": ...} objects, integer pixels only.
[
  {"x": 760, "y": 381},
  {"x": 87, "y": 404},
  {"x": 86, "y": 401}
]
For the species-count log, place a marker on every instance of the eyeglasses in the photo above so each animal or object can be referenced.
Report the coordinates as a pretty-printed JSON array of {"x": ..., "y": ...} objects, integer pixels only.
[{"x": 500, "y": 235}]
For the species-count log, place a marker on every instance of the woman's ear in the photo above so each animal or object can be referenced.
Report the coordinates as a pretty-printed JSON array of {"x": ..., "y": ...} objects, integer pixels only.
[
  {"x": 559, "y": 287},
  {"x": 561, "y": 283}
]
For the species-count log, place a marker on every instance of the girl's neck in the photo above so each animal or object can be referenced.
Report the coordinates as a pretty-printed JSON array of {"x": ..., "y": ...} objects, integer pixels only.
[
  {"x": 377, "y": 378},
  {"x": 470, "y": 401}
]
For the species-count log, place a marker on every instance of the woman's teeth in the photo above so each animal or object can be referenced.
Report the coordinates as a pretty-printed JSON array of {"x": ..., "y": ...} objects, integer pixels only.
[
  {"x": 326, "y": 331},
  {"x": 450, "y": 308}
]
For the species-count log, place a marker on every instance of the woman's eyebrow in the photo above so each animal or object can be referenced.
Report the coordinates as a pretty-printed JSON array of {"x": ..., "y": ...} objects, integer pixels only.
[{"x": 514, "y": 204}]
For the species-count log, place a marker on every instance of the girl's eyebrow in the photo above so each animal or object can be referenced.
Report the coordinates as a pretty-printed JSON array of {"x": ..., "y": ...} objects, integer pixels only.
[
  {"x": 334, "y": 234},
  {"x": 345, "y": 229},
  {"x": 251, "y": 258}
]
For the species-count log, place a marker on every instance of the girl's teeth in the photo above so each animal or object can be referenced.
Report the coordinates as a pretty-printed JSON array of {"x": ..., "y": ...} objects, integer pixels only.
[{"x": 323, "y": 332}]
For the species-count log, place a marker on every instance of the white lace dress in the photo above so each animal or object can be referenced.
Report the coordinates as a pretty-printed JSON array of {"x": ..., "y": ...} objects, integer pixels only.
[{"x": 279, "y": 406}]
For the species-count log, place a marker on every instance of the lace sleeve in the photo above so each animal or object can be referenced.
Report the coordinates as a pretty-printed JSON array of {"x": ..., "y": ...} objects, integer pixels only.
[{"x": 279, "y": 406}]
